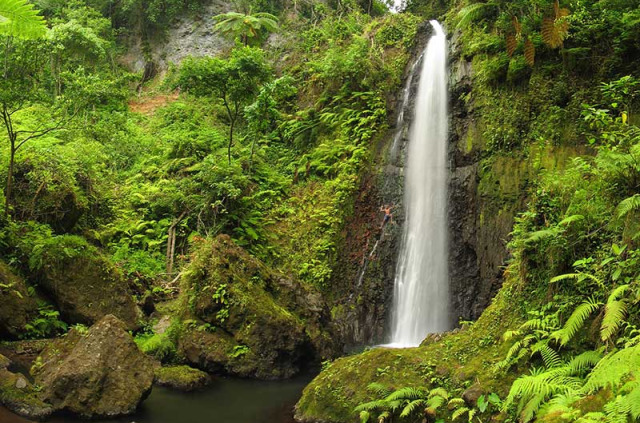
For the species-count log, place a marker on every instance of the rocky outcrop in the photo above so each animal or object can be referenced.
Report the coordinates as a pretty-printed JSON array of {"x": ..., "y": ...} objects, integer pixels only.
[
  {"x": 98, "y": 373},
  {"x": 190, "y": 35},
  {"x": 87, "y": 287},
  {"x": 249, "y": 321},
  {"x": 18, "y": 307},
  {"x": 182, "y": 378}
]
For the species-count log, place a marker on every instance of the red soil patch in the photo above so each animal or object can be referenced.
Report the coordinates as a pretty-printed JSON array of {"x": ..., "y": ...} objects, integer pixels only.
[{"x": 148, "y": 105}]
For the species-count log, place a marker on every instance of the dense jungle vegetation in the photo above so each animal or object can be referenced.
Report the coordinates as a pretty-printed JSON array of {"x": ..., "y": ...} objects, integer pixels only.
[{"x": 209, "y": 189}]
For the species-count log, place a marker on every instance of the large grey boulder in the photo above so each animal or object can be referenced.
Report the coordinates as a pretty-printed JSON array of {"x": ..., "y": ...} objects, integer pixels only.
[{"x": 101, "y": 373}]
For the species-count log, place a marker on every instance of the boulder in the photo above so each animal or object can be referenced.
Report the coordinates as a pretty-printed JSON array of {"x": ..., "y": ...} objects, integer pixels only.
[
  {"x": 252, "y": 326},
  {"x": 182, "y": 378},
  {"x": 100, "y": 373},
  {"x": 87, "y": 287},
  {"x": 18, "y": 308},
  {"x": 471, "y": 395}
]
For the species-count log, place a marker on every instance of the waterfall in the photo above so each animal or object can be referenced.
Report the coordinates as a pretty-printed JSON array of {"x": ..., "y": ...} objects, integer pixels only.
[{"x": 421, "y": 289}]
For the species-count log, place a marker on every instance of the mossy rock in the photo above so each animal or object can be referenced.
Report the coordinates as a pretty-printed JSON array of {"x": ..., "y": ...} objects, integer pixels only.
[
  {"x": 18, "y": 395},
  {"x": 18, "y": 308},
  {"x": 100, "y": 373},
  {"x": 255, "y": 316},
  {"x": 182, "y": 378},
  {"x": 454, "y": 361},
  {"x": 86, "y": 286}
]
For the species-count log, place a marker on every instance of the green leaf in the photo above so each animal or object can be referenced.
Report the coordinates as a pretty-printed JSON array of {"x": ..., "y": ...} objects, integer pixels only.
[{"x": 482, "y": 403}]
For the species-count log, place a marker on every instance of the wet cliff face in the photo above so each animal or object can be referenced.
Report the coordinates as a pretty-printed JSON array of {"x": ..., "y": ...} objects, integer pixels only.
[{"x": 366, "y": 268}]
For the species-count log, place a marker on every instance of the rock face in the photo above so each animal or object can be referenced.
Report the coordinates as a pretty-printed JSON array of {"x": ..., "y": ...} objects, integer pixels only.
[
  {"x": 100, "y": 373},
  {"x": 367, "y": 264},
  {"x": 189, "y": 35},
  {"x": 17, "y": 307},
  {"x": 88, "y": 287},
  {"x": 249, "y": 321}
]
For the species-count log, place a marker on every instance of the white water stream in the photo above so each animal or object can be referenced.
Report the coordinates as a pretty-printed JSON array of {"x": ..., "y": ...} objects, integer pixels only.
[{"x": 421, "y": 291}]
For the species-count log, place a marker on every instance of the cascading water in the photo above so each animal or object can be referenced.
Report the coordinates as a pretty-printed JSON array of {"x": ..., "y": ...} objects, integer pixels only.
[{"x": 421, "y": 290}]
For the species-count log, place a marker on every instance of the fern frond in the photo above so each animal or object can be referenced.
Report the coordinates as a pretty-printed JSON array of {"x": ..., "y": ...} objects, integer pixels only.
[
  {"x": 383, "y": 417},
  {"x": 378, "y": 389},
  {"x": 455, "y": 402},
  {"x": 582, "y": 362},
  {"x": 412, "y": 407},
  {"x": 575, "y": 322},
  {"x": 549, "y": 355},
  {"x": 439, "y": 392},
  {"x": 529, "y": 53},
  {"x": 614, "y": 315},
  {"x": 531, "y": 407},
  {"x": 371, "y": 406},
  {"x": 435, "y": 402},
  {"x": 459, "y": 413},
  {"x": 576, "y": 276},
  {"x": 540, "y": 235},
  {"x": 612, "y": 369},
  {"x": 628, "y": 205},
  {"x": 407, "y": 393},
  {"x": 472, "y": 13},
  {"x": 364, "y": 416},
  {"x": 570, "y": 219},
  {"x": 21, "y": 19}
]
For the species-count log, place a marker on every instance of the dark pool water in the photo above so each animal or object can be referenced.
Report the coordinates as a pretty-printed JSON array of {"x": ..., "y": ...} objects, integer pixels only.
[{"x": 226, "y": 401}]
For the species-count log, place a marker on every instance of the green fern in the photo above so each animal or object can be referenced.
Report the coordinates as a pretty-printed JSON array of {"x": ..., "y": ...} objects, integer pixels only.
[
  {"x": 378, "y": 389},
  {"x": 575, "y": 321},
  {"x": 18, "y": 18},
  {"x": 613, "y": 369},
  {"x": 628, "y": 205},
  {"x": 472, "y": 13},
  {"x": 412, "y": 407},
  {"x": 578, "y": 277},
  {"x": 549, "y": 355},
  {"x": 459, "y": 413},
  {"x": 614, "y": 312}
]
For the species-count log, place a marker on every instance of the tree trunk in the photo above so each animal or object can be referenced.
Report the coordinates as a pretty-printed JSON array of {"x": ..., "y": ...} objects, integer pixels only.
[{"x": 9, "y": 191}]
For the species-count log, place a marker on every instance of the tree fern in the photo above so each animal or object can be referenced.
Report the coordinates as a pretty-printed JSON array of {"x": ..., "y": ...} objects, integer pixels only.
[
  {"x": 18, "y": 18},
  {"x": 614, "y": 312},
  {"x": 555, "y": 28},
  {"x": 472, "y": 13},
  {"x": 628, "y": 205}
]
